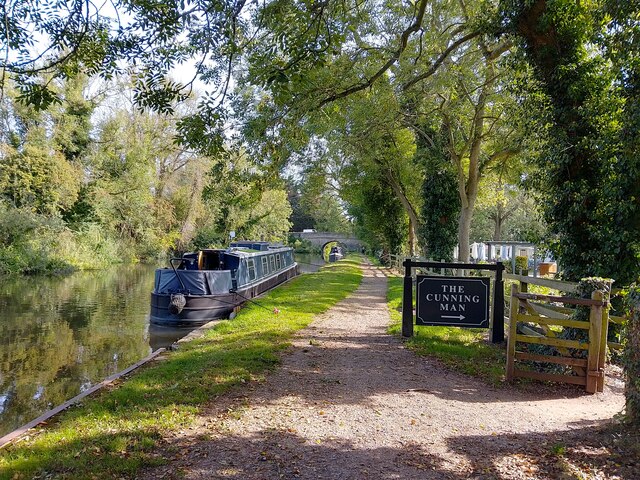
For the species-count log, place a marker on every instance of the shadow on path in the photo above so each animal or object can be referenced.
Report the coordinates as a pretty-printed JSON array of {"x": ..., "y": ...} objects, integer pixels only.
[{"x": 350, "y": 402}]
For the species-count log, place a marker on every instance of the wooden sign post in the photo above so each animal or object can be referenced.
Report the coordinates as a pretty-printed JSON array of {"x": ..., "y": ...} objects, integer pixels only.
[{"x": 454, "y": 301}]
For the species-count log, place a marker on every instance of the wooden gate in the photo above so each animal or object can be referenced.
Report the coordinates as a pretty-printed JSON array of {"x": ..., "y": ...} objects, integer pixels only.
[{"x": 539, "y": 310}]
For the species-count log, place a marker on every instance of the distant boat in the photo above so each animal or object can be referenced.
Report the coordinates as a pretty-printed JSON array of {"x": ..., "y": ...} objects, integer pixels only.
[
  {"x": 335, "y": 254},
  {"x": 208, "y": 284}
]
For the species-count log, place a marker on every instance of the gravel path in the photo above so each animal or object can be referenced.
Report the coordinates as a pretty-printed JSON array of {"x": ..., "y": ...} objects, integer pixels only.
[{"x": 350, "y": 402}]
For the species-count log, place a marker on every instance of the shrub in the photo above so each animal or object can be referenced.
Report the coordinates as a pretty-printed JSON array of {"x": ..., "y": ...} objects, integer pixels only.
[{"x": 631, "y": 355}]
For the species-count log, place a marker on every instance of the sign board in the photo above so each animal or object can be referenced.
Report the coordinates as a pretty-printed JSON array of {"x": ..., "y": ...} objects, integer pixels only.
[{"x": 452, "y": 301}]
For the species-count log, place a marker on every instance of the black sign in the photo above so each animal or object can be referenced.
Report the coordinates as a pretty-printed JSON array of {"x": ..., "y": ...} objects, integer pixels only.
[{"x": 453, "y": 301}]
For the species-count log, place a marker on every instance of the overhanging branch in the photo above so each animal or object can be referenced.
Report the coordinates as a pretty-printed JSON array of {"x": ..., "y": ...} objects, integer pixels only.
[
  {"x": 404, "y": 40},
  {"x": 443, "y": 56}
]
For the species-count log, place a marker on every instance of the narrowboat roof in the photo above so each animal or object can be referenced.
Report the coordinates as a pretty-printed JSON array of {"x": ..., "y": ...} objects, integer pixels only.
[
  {"x": 246, "y": 252},
  {"x": 251, "y": 245}
]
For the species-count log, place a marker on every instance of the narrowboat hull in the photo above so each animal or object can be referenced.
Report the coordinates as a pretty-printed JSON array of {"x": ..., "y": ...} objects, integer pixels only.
[{"x": 200, "y": 309}]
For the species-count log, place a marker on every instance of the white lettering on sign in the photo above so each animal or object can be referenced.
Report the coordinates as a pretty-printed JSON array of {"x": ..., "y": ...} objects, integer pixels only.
[
  {"x": 452, "y": 301},
  {"x": 444, "y": 297},
  {"x": 452, "y": 307}
]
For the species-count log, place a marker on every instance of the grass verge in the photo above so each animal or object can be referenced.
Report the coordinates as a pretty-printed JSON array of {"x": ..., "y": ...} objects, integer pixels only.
[
  {"x": 464, "y": 349},
  {"x": 116, "y": 433}
]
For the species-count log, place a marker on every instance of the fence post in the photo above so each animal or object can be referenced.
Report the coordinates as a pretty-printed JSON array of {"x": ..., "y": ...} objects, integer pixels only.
[
  {"x": 407, "y": 301},
  {"x": 604, "y": 334},
  {"x": 602, "y": 357},
  {"x": 595, "y": 333},
  {"x": 497, "y": 325},
  {"x": 511, "y": 340}
]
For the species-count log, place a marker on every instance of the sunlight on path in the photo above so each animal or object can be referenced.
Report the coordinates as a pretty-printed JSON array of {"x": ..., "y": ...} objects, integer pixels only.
[{"x": 351, "y": 402}]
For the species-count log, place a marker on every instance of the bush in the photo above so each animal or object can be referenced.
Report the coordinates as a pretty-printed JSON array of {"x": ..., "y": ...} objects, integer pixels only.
[
  {"x": 522, "y": 265},
  {"x": 36, "y": 244},
  {"x": 631, "y": 356},
  {"x": 300, "y": 245},
  {"x": 28, "y": 242}
]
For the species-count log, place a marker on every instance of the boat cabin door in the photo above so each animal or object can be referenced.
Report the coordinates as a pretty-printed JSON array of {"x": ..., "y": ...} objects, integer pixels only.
[{"x": 210, "y": 260}]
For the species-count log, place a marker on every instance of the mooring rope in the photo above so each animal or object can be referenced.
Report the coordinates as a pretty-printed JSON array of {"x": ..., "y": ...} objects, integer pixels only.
[{"x": 253, "y": 301}]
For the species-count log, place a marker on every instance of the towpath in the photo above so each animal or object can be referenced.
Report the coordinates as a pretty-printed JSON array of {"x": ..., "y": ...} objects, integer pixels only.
[{"x": 350, "y": 401}]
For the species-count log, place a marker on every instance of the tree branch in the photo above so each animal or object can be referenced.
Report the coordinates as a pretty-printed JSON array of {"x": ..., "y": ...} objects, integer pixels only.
[
  {"x": 404, "y": 39},
  {"x": 443, "y": 56}
]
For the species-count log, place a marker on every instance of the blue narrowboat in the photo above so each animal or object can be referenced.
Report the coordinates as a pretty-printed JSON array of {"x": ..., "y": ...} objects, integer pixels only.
[{"x": 208, "y": 284}]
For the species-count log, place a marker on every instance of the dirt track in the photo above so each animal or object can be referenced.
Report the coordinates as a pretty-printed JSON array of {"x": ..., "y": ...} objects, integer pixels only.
[{"x": 350, "y": 402}]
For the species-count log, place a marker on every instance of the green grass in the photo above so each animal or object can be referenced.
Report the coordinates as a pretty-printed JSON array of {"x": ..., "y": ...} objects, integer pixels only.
[
  {"x": 116, "y": 433},
  {"x": 463, "y": 349}
]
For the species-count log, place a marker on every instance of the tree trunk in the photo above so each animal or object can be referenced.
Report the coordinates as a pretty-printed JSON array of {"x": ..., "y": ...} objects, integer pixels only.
[
  {"x": 464, "y": 226},
  {"x": 468, "y": 184},
  {"x": 411, "y": 243},
  {"x": 411, "y": 212},
  {"x": 632, "y": 365},
  {"x": 497, "y": 232}
]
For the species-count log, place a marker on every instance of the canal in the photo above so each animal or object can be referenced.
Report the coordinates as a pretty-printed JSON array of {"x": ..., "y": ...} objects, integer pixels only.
[{"x": 61, "y": 335}]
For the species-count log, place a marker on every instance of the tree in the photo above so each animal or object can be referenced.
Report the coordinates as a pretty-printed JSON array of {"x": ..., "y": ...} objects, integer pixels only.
[
  {"x": 363, "y": 94},
  {"x": 34, "y": 172},
  {"x": 300, "y": 218},
  {"x": 588, "y": 180},
  {"x": 242, "y": 198},
  {"x": 379, "y": 217},
  {"x": 364, "y": 134},
  {"x": 441, "y": 202}
]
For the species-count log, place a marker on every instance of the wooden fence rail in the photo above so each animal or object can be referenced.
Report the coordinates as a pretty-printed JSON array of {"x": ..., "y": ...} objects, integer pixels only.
[
  {"x": 542, "y": 308},
  {"x": 587, "y": 371},
  {"x": 556, "y": 311}
]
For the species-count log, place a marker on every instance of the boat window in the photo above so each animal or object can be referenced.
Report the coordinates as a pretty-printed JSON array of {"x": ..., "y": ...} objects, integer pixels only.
[
  {"x": 251, "y": 267},
  {"x": 278, "y": 264},
  {"x": 265, "y": 266},
  {"x": 272, "y": 261}
]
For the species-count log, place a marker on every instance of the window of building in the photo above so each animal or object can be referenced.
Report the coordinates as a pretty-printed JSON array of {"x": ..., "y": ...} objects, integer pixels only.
[
  {"x": 265, "y": 266},
  {"x": 278, "y": 261},
  {"x": 272, "y": 261}
]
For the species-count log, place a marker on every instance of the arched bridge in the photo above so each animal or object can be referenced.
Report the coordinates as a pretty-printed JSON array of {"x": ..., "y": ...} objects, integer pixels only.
[{"x": 320, "y": 239}]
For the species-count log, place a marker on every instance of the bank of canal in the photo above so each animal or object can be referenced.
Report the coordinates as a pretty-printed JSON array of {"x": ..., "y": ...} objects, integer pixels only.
[
  {"x": 116, "y": 432},
  {"x": 61, "y": 335}
]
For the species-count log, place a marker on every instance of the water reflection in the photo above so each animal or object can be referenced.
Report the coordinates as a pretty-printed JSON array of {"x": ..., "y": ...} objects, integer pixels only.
[
  {"x": 162, "y": 336},
  {"x": 60, "y": 336},
  {"x": 309, "y": 262}
]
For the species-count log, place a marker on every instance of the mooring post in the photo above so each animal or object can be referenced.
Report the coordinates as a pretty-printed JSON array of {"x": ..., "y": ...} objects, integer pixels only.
[
  {"x": 497, "y": 331},
  {"x": 407, "y": 301}
]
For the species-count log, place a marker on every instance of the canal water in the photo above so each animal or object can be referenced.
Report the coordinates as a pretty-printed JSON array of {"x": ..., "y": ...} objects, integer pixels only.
[
  {"x": 309, "y": 262},
  {"x": 61, "y": 335}
]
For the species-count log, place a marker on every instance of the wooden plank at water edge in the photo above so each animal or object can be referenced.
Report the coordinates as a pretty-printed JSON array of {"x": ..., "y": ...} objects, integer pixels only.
[
  {"x": 552, "y": 321},
  {"x": 554, "y": 342},
  {"x": 551, "y": 377}
]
